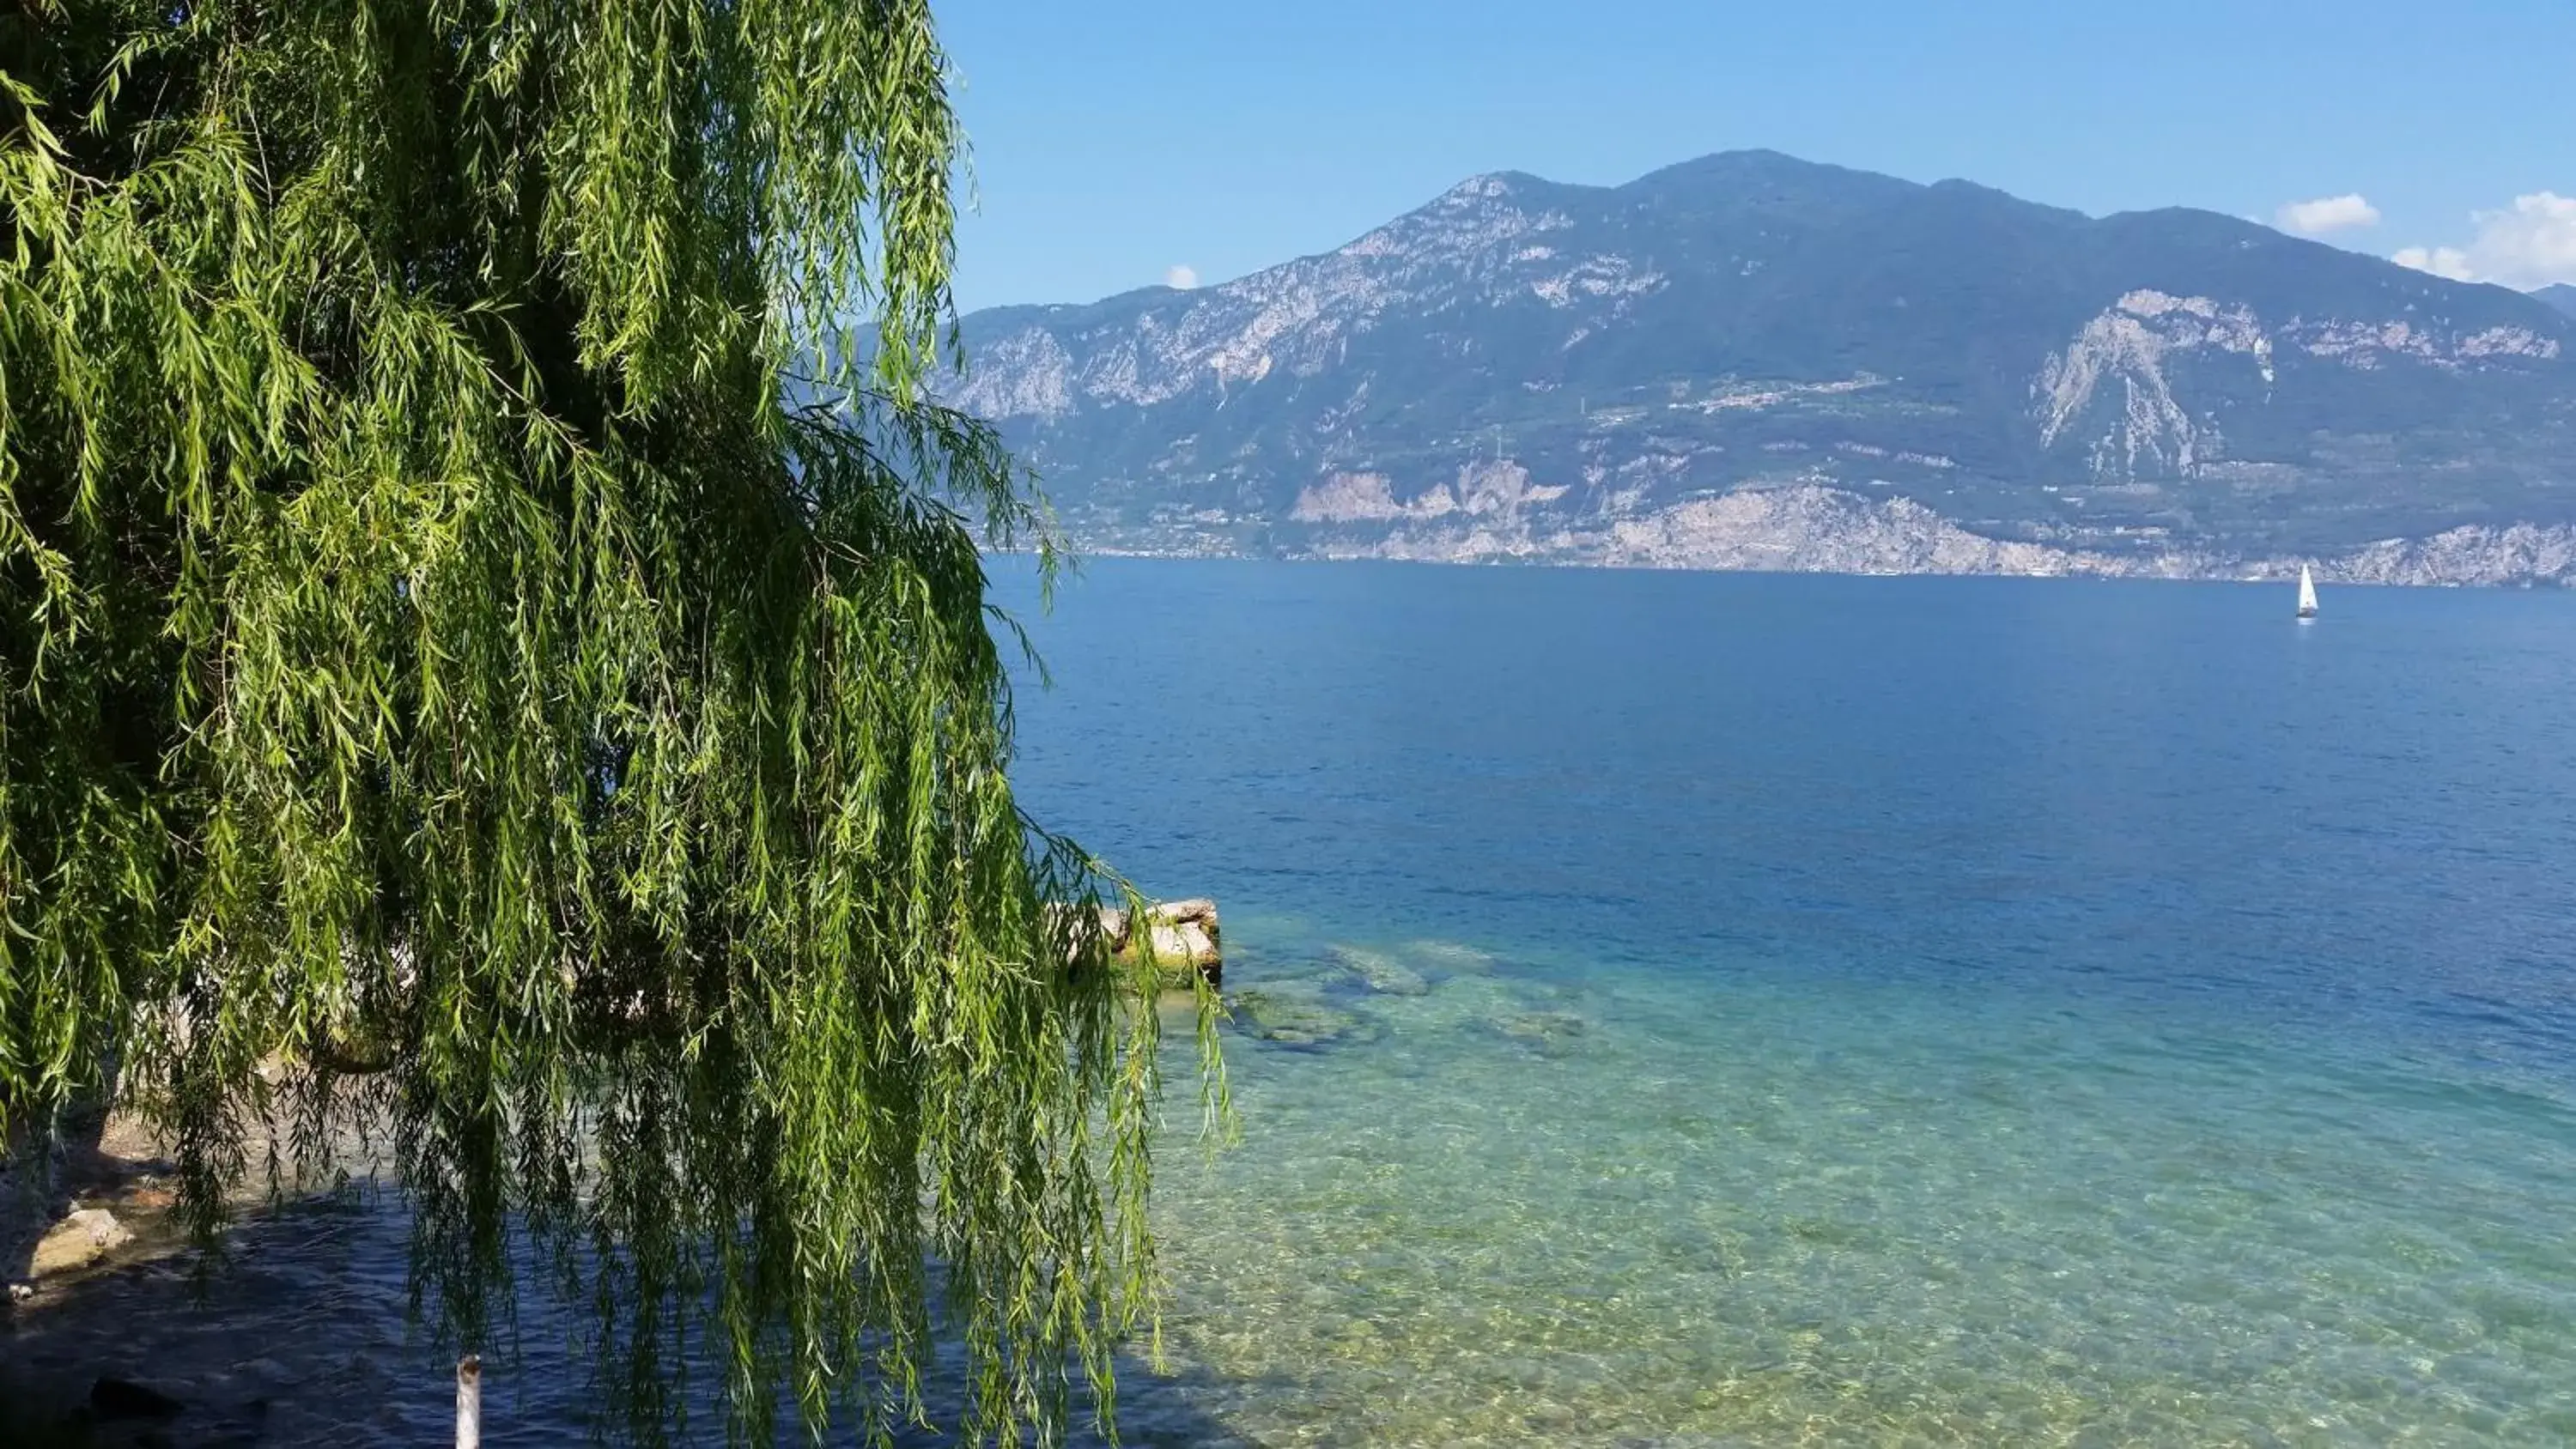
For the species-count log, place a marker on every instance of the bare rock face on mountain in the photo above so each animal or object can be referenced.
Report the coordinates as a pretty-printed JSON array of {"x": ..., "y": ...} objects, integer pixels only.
[{"x": 1749, "y": 361}]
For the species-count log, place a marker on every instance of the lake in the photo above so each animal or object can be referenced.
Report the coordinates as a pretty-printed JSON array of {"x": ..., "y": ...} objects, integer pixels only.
[
  {"x": 1683, "y": 1010},
  {"x": 1853, "y": 1009}
]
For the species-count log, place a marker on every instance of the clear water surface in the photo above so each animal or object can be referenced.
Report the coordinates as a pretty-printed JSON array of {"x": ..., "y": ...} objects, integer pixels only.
[
  {"x": 1797, "y": 1009},
  {"x": 1702, "y": 1009}
]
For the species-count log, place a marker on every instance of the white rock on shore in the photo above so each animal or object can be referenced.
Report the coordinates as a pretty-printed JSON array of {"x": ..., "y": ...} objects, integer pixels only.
[
  {"x": 1182, "y": 937},
  {"x": 78, "y": 1241}
]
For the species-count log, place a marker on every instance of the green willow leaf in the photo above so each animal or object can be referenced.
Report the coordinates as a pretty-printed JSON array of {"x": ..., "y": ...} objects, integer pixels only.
[{"x": 494, "y": 645}]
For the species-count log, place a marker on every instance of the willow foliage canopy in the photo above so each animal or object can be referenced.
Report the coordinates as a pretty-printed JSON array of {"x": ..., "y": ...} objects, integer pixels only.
[{"x": 487, "y": 645}]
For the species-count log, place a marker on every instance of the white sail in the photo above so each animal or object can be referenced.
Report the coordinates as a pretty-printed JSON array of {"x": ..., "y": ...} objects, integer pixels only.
[{"x": 2307, "y": 592}]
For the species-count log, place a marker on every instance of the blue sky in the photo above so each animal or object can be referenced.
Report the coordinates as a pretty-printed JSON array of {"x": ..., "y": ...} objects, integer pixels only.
[{"x": 1116, "y": 140}]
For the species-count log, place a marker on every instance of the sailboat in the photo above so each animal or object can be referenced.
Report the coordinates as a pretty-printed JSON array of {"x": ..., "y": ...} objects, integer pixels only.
[{"x": 2307, "y": 593}]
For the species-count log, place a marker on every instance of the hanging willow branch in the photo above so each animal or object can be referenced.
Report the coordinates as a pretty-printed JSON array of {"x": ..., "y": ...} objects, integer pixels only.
[{"x": 472, "y": 613}]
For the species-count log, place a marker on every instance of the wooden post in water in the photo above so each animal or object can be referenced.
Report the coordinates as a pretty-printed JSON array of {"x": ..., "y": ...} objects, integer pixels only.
[{"x": 469, "y": 1402}]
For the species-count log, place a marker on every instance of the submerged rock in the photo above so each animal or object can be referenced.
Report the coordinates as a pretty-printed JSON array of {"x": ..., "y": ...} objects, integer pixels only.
[
  {"x": 1293, "y": 1020},
  {"x": 78, "y": 1241},
  {"x": 1549, "y": 1033},
  {"x": 1382, "y": 973},
  {"x": 1450, "y": 956}
]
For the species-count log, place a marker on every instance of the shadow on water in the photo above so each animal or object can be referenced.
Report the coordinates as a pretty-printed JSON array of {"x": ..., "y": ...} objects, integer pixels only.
[{"x": 304, "y": 1338}]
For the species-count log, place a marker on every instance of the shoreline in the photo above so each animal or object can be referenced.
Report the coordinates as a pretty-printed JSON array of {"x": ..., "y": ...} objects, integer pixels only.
[
  {"x": 1087, "y": 553},
  {"x": 1813, "y": 527}
]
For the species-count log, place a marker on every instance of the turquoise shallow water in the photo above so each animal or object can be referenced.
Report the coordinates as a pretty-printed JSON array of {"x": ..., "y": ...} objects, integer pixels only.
[
  {"x": 1687, "y": 1010},
  {"x": 1859, "y": 1214}
]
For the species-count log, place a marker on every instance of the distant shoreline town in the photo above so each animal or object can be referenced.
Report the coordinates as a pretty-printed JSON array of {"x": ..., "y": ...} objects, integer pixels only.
[{"x": 1813, "y": 529}]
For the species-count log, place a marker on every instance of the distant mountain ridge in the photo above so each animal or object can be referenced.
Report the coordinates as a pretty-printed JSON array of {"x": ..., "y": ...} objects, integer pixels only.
[
  {"x": 2559, "y": 295},
  {"x": 1750, "y": 360}
]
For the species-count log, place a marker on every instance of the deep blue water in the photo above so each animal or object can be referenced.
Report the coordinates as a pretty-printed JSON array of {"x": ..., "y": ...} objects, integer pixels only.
[
  {"x": 2004, "y": 1009},
  {"x": 2167, "y": 793}
]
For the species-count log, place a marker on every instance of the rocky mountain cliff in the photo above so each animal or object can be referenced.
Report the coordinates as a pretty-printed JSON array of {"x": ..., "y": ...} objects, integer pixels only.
[{"x": 1750, "y": 361}]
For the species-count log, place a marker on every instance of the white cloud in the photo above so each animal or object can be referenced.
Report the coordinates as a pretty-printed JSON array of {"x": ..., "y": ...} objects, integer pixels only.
[
  {"x": 2448, "y": 262},
  {"x": 2529, "y": 244},
  {"x": 1183, "y": 278},
  {"x": 2327, "y": 213}
]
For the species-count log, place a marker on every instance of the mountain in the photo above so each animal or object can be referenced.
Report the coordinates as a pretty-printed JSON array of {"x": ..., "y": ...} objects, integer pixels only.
[
  {"x": 2559, "y": 295},
  {"x": 1750, "y": 360}
]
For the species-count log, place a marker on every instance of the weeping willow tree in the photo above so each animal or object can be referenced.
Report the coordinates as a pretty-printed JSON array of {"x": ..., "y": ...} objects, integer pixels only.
[{"x": 493, "y": 644}]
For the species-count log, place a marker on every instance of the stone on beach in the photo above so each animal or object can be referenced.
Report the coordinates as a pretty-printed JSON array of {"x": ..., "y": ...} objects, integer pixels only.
[
  {"x": 113, "y": 1398},
  {"x": 1182, "y": 938},
  {"x": 78, "y": 1241}
]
